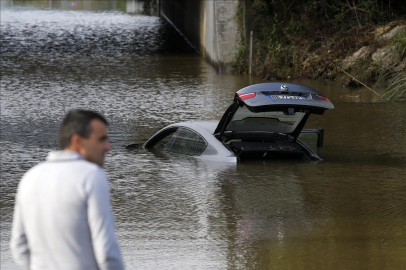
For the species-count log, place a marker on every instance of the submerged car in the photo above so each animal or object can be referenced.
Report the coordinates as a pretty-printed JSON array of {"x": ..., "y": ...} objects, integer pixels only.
[{"x": 264, "y": 121}]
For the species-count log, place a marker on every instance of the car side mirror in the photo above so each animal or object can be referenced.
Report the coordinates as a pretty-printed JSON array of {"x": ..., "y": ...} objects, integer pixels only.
[{"x": 133, "y": 146}]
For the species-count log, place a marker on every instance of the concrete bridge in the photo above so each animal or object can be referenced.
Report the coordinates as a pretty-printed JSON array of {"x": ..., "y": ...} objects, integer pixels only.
[{"x": 209, "y": 26}]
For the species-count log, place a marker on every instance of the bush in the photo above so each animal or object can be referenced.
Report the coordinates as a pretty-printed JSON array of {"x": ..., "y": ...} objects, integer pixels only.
[
  {"x": 400, "y": 44},
  {"x": 290, "y": 35}
]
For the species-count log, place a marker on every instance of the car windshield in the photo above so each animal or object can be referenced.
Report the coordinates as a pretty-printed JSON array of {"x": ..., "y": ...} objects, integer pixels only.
[{"x": 272, "y": 121}]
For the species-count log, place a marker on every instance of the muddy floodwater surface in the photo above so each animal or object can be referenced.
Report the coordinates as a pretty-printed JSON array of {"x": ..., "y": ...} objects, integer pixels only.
[{"x": 175, "y": 212}]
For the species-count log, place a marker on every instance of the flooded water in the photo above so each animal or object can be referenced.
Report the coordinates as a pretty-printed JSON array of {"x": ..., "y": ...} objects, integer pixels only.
[{"x": 173, "y": 212}]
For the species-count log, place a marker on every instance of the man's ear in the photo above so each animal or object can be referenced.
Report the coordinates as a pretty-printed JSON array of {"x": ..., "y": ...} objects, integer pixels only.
[{"x": 76, "y": 142}]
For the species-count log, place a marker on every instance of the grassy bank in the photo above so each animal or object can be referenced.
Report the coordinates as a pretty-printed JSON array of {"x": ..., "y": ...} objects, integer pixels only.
[{"x": 317, "y": 39}]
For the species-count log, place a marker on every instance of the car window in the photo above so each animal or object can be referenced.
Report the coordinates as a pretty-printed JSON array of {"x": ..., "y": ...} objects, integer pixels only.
[
  {"x": 187, "y": 142},
  {"x": 310, "y": 139},
  {"x": 272, "y": 121},
  {"x": 161, "y": 144}
]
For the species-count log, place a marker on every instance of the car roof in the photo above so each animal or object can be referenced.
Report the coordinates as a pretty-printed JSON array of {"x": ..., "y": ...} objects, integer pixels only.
[
  {"x": 199, "y": 126},
  {"x": 210, "y": 126}
]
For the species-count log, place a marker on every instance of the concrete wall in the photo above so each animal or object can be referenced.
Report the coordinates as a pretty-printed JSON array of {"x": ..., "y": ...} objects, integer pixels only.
[{"x": 209, "y": 26}]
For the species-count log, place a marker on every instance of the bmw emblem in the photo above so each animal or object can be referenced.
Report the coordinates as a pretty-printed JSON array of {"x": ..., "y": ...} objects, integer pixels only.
[{"x": 284, "y": 88}]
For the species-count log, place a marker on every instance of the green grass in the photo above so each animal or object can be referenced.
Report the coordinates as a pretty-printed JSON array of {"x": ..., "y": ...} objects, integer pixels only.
[
  {"x": 393, "y": 80},
  {"x": 396, "y": 89},
  {"x": 400, "y": 44}
]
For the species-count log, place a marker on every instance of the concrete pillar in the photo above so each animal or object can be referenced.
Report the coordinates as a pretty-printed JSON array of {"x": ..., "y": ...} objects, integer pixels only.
[
  {"x": 210, "y": 26},
  {"x": 226, "y": 32}
]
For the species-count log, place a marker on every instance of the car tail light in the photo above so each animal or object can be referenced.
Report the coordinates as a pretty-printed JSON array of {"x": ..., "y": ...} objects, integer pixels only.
[
  {"x": 323, "y": 98},
  {"x": 247, "y": 96}
]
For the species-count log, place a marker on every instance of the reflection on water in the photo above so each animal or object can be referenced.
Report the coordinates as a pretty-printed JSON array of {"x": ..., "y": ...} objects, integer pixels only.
[
  {"x": 173, "y": 212},
  {"x": 142, "y": 7}
]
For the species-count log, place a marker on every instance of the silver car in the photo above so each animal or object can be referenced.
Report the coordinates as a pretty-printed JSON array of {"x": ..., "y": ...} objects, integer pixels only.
[{"x": 264, "y": 121}]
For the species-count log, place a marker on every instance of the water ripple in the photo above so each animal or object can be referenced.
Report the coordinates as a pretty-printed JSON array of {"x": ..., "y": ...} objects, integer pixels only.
[{"x": 175, "y": 212}]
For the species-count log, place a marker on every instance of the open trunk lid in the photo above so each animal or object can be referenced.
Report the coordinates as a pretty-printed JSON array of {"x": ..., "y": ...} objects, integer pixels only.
[{"x": 279, "y": 108}]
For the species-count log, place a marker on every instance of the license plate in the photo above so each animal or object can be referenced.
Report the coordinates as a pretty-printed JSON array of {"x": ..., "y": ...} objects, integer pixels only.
[{"x": 285, "y": 97}]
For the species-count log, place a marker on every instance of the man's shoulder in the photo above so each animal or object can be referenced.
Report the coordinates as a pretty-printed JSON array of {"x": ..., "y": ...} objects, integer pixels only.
[{"x": 80, "y": 168}]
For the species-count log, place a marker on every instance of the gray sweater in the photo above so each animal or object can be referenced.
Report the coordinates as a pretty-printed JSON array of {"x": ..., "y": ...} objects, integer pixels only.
[{"x": 63, "y": 218}]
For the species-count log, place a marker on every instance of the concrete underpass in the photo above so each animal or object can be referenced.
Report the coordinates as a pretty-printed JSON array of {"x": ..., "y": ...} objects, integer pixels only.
[{"x": 209, "y": 26}]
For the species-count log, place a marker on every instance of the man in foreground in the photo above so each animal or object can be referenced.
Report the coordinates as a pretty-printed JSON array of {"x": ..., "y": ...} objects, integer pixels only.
[{"x": 62, "y": 215}]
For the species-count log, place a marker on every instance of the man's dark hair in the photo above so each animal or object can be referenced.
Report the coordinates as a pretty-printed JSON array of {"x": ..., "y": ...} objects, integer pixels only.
[{"x": 77, "y": 122}]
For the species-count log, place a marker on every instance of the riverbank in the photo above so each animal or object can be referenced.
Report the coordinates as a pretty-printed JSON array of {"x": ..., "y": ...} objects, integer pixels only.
[{"x": 347, "y": 43}]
